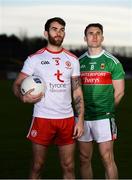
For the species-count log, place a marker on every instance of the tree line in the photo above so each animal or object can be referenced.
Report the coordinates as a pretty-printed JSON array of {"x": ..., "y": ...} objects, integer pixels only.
[{"x": 13, "y": 52}]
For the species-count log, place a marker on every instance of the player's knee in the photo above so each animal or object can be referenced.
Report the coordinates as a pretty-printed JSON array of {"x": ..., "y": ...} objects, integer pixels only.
[
  {"x": 68, "y": 165},
  {"x": 37, "y": 166},
  {"x": 85, "y": 158},
  {"x": 108, "y": 158}
]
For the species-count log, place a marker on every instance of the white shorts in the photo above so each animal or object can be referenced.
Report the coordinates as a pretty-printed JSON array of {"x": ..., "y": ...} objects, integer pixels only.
[{"x": 99, "y": 130}]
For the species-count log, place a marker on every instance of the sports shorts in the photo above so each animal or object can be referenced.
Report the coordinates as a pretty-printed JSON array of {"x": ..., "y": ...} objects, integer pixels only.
[
  {"x": 52, "y": 131},
  {"x": 99, "y": 130}
]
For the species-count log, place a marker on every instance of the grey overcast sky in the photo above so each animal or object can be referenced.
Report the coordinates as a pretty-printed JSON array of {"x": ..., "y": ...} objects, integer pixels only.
[{"x": 27, "y": 17}]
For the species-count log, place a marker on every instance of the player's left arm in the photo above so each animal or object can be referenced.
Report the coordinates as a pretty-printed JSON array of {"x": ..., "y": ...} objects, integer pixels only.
[
  {"x": 79, "y": 106},
  {"x": 119, "y": 87}
]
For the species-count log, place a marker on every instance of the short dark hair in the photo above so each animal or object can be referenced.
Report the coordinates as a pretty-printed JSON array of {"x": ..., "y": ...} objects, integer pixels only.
[
  {"x": 93, "y": 25},
  {"x": 55, "y": 19}
]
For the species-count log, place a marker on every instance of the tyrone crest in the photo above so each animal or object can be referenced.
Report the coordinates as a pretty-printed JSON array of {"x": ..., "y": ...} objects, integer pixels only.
[{"x": 68, "y": 64}]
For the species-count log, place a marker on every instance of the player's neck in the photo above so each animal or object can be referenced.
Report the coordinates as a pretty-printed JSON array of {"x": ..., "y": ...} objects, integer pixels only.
[
  {"x": 94, "y": 51},
  {"x": 54, "y": 48}
]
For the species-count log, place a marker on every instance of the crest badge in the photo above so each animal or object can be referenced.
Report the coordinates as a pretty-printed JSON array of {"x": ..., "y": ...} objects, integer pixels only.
[
  {"x": 102, "y": 66},
  {"x": 68, "y": 65}
]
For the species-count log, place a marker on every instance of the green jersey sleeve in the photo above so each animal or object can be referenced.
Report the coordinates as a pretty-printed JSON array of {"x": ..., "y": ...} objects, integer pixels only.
[{"x": 117, "y": 71}]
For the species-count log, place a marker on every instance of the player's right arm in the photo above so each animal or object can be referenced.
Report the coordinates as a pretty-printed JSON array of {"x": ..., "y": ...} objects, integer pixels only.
[
  {"x": 26, "y": 98},
  {"x": 119, "y": 86},
  {"x": 17, "y": 84}
]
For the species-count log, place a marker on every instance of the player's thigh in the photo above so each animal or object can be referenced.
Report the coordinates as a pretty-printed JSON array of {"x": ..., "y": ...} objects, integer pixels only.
[
  {"x": 104, "y": 130},
  {"x": 42, "y": 131},
  {"x": 39, "y": 152},
  {"x": 65, "y": 131},
  {"x": 87, "y": 136},
  {"x": 86, "y": 149},
  {"x": 106, "y": 149},
  {"x": 66, "y": 153}
]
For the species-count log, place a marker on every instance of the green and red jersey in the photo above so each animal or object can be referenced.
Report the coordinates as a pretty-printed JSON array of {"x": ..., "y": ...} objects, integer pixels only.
[{"x": 97, "y": 73}]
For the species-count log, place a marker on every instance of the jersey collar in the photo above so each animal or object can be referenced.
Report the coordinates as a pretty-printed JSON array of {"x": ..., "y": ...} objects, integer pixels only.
[
  {"x": 54, "y": 52},
  {"x": 96, "y": 56}
]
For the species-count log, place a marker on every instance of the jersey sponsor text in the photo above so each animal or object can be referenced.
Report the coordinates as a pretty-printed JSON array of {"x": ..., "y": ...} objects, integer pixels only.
[{"x": 96, "y": 78}]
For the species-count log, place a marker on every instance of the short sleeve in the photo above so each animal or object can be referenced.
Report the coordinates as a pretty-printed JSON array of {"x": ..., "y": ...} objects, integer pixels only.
[
  {"x": 117, "y": 71},
  {"x": 29, "y": 66},
  {"x": 76, "y": 68}
]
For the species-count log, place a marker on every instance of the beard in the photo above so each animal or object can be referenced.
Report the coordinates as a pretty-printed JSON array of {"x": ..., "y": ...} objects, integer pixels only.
[{"x": 54, "y": 41}]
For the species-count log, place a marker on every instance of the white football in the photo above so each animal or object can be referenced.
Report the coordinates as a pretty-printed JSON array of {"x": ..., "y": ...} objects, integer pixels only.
[{"x": 33, "y": 82}]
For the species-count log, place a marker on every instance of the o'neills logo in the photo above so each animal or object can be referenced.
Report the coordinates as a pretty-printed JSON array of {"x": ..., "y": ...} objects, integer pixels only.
[{"x": 96, "y": 78}]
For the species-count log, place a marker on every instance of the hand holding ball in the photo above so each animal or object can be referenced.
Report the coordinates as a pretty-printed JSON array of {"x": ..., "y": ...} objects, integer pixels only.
[{"x": 33, "y": 82}]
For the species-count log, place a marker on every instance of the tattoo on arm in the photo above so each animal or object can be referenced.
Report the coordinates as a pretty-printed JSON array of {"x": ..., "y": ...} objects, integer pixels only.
[
  {"x": 76, "y": 82},
  {"x": 77, "y": 102}
]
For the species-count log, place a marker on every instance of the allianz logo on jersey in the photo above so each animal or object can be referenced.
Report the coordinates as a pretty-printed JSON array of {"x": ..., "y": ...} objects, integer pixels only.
[{"x": 45, "y": 62}]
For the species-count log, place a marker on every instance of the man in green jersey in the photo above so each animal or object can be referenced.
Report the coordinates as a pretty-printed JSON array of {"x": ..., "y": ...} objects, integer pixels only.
[{"x": 103, "y": 87}]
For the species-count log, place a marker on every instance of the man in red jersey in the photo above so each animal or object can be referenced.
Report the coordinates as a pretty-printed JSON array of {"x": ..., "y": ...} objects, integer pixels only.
[{"x": 53, "y": 119}]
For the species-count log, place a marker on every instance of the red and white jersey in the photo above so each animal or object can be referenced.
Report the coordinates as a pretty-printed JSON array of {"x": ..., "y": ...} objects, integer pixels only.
[{"x": 56, "y": 69}]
